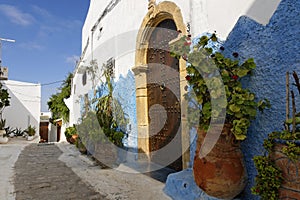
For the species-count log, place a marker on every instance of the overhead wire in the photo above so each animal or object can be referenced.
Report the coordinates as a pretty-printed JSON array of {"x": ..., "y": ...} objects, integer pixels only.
[{"x": 34, "y": 85}]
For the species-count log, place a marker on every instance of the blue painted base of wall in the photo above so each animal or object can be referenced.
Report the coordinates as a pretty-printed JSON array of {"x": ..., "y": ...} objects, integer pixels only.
[{"x": 181, "y": 186}]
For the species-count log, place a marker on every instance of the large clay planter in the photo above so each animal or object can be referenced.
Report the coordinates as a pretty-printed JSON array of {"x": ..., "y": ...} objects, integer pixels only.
[
  {"x": 221, "y": 173},
  {"x": 290, "y": 188}
]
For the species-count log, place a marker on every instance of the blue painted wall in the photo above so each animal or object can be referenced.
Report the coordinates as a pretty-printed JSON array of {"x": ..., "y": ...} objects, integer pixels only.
[
  {"x": 276, "y": 50},
  {"x": 124, "y": 91}
]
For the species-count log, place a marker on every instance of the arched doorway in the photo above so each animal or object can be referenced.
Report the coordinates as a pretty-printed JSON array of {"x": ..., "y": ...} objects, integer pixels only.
[
  {"x": 160, "y": 82},
  {"x": 163, "y": 94}
]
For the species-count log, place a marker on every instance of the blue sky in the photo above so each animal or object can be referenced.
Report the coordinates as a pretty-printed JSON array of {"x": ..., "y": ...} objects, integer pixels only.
[{"x": 48, "y": 40}]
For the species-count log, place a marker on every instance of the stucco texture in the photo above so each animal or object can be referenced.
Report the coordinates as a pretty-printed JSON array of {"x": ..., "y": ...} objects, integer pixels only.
[{"x": 276, "y": 50}]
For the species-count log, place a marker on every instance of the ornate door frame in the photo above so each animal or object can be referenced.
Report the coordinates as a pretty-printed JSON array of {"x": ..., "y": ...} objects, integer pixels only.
[{"x": 156, "y": 14}]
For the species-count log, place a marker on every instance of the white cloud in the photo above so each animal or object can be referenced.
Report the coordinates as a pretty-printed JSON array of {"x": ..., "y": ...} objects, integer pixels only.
[
  {"x": 41, "y": 11},
  {"x": 72, "y": 59},
  {"x": 31, "y": 46},
  {"x": 16, "y": 16}
]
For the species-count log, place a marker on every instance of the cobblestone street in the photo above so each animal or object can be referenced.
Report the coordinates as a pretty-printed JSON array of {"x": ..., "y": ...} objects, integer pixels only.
[
  {"x": 40, "y": 175},
  {"x": 59, "y": 171}
]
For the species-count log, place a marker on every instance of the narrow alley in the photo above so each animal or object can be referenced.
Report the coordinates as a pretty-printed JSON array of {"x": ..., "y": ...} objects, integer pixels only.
[
  {"x": 40, "y": 175},
  {"x": 60, "y": 171}
]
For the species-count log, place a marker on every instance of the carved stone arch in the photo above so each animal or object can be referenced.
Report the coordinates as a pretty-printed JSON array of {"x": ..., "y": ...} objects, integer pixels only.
[
  {"x": 160, "y": 12},
  {"x": 156, "y": 14}
]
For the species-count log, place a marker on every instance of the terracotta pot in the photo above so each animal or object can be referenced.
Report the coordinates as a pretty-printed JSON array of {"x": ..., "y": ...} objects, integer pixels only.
[
  {"x": 73, "y": 139},
  {"x": 290, "y": 188},
  {"x": 221, "y": 173}
]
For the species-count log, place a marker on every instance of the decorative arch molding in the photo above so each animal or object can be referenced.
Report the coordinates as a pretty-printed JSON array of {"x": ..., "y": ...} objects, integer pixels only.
[{"x": 156, "y": 14}]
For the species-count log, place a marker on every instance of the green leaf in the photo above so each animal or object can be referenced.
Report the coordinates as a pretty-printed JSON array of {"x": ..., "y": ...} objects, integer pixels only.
[
  {"x": 203, "y": 41},
  {"x": 242, "y": 72},
  {"x": 240, "y": 137},
  {"x": 290, "y": 121},
  {"x": 250, "y": 64},
  {"x": 214, "y": 37},
  {"x": 234, "y": 108}
]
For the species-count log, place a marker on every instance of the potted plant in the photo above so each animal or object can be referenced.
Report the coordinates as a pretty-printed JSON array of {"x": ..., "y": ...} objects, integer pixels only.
[
  {"x": 31, "y": 132},
  {"x": 10, "y": 132},
  {"x": 278, "y": 170},
  {"x": 71, "y": 134},
  {"x": 3, "y": 135},
  {"x": 100, "y": 128},
  {"x": 4, "y": 99},
  {"x": 216, "y": 81},
  {"x": 4, "y": 102}
]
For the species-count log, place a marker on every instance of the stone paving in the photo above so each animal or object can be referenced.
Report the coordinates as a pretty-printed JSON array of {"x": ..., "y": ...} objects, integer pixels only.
[
  {"x": 39, "y": 174},
  {"x": 60, "y": 172}
]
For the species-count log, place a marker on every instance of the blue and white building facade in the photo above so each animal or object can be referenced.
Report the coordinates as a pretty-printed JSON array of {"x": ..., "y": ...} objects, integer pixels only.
[{"x": 115, "y": 33}]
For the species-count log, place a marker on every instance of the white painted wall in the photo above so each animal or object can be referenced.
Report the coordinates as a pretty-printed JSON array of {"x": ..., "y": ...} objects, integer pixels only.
[
  {"x": 25, "y": 105},
  {"x": 222, "y": 15},
  {"x": 52, "y": 134},
  {"x": 125, "y": 19},
  {"x": 62, "y": 132}
]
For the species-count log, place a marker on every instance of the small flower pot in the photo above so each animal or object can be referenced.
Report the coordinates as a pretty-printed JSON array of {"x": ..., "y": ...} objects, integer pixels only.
[
  {"x": 3, "y": 140},
  {"x": 73, "y": 139},
  {"x": 29, "y": 138}
]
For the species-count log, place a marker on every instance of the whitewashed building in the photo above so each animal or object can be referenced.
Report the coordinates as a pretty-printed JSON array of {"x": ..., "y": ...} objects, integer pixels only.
[
  {"x": 25, "y": 105},
  {"x": 116, "y": 33}
]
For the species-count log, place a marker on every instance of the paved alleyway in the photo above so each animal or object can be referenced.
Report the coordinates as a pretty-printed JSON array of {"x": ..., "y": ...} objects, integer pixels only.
[
  {"x": 40, "y": 175},
  {"x": 60, "y": 172}
]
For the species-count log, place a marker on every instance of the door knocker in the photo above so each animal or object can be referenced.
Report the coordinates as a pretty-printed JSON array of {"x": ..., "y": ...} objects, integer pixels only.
[{"x": 162, "y": 86}]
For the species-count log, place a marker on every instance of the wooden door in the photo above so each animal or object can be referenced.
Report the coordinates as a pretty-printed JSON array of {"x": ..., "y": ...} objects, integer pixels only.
[
  {"x": 58, "y": 130},
  {"x": 163, "y": 94},
  {"x": 44, "y": 130}
]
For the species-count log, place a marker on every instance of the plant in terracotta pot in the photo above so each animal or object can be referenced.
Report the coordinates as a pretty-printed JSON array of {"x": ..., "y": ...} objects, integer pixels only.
[
  {"x": 216, "y": 84},
  {"x": 278, "y": 170},
  {"x": 71, "y": 134}
]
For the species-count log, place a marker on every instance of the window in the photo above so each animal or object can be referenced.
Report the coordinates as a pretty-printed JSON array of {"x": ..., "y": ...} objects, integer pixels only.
[
  {"x": 110, "y": 66},
  {"x": 84, "y": 76}
]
